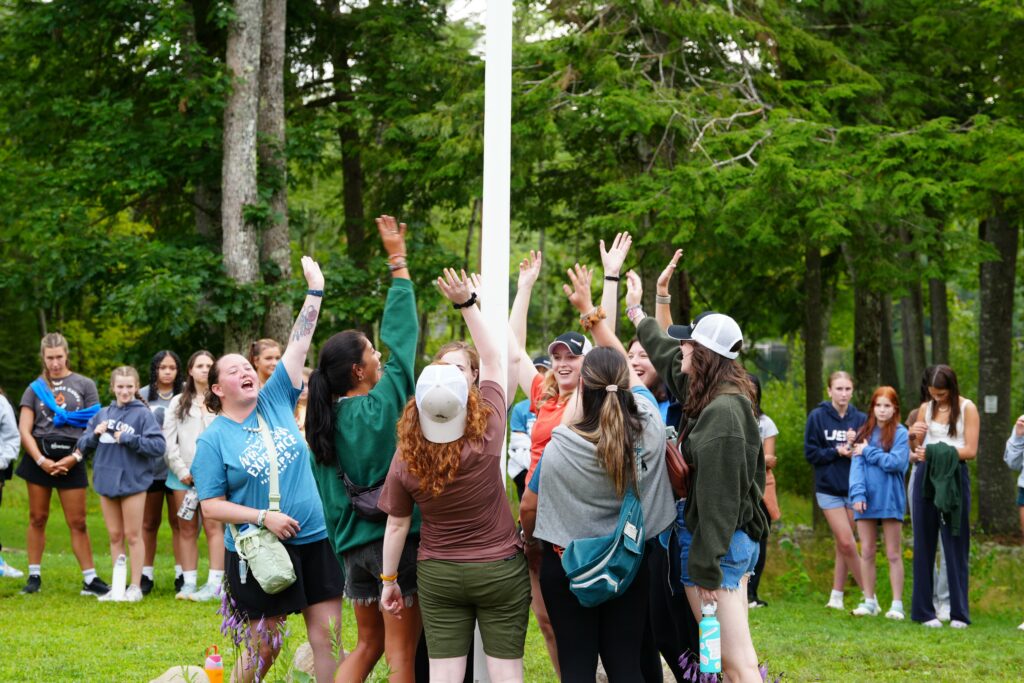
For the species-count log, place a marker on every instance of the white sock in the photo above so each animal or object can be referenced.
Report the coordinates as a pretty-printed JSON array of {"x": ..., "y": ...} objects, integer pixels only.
[
  {"x": 873, "y": 600},
  {"x": 190, "y": 577},
  {"x": 178, "y": 571},
  {"x": 897, "y": 605},
  {"x": 34, "y": 570},
  {"x": 148, "y": 572},
  {"x": 89, "y": 574},
  {"x": 216, "y": 576},
  {"x": 836, "y": 595}
]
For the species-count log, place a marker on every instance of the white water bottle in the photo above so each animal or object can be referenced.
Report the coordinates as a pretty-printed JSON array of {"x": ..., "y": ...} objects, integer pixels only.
[{"x": 120, "y": 578}]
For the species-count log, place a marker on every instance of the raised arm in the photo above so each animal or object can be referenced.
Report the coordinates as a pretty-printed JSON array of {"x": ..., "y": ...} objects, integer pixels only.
[
  {"x": 581, "y": 299},
  {"x": 459, "y": 290},
  {"x": 294, "y": 356},
  {"x": 529, "y": 270},
  {"x": 611, "y": 262},
  {"x": 663, "y": 301}
]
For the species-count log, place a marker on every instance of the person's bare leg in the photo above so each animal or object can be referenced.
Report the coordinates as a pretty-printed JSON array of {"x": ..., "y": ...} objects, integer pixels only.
[
  {"x": 323, "y": 628},
  {"x": 868, "y": 547},
  {"x": 401, "y": 638},
  {"x": 369, "y": 644},
  {"x": 132, "y": 511},
  {"x": 172, "y": 521},
  {"x": 214, "y": 543},
  {"x": 73, "y": 503},
  {"x": 38, "y": 515},
  {"x": 114, "y": 520},
  {"x": 505, "y": 670},
  {"x": 186, "y": 543},
  {"x": 841, "y": 523},
  {"x": 893, "y": 531},
  {"x": 449, "y": 669},
  {"x": 266, "y": 648},
  {"x": 739, "y": 659},
  {"x": 154, "y": 511}
]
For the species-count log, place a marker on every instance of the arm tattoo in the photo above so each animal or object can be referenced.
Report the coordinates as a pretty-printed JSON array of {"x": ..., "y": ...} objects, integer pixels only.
[{"x": 305, "y": 323}]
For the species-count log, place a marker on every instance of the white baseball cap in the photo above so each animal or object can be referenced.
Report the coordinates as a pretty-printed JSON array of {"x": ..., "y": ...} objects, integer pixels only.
[
  {"x": 719, "y": 333},
  {"x": 441, "y": 396}
]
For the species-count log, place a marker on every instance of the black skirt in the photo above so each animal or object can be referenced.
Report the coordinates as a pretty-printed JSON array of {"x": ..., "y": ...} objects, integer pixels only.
[{"x": 54, "y": 449}]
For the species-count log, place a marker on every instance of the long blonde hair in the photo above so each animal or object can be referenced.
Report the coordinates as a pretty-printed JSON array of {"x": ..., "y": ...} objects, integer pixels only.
[{"x": 436, "y": 464}]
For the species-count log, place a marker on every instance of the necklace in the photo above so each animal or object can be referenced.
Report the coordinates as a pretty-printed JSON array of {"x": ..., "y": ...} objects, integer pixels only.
[{"x": 165, "y": 396}]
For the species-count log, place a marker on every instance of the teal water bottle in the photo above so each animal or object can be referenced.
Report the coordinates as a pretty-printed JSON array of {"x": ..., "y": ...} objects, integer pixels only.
[{"x": 710, "y": 641}]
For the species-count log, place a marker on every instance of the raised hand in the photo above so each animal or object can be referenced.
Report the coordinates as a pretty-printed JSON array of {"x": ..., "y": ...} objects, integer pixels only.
[
  {"x": 634, "y": 288},
  {"x": 612, "y": 259},
  {"x": 579, "y": 294},
  {"x": 456, "y": 289},
  {"x": 529, "y": 269},
  {"x": 392, "y": 234},
  {"x": 311, "y": 271},
  {"x": 666, "y": 275}
]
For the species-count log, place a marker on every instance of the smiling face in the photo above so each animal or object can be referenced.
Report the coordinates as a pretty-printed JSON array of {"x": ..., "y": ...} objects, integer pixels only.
[
  {"x": 237, "y": 382},
  {"x": 566, "y": 368},
  {"x": 642, "y": 365},
  {"x": 884, "y": 410},
  {"x": 200, "y": 370},
  {"x": 123, "y": 388},
  {"x": 267, "y": 361},
  {"x": 460, "y": 359},
  {"x": 371, "y": 369},
  {"x": 166, "y": 372},
  {"x": 55, "y": 360},
  {"x": 840, "y": 391}
]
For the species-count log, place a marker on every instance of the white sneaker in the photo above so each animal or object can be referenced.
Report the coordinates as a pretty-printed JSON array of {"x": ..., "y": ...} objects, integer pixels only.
[
  {"x": 942, "y": 613},
  {"x": 186, "y": 592},
  {"x": 1021, "y": 627},
  {"x": 835, "y": 603},
  {"x": 867, "y": 609},
  {"x": 7, "y": 571},
  {"x": 956, "y": 623},
  {"x": 109, "y": 597},
  {"x": 894, "y": 613},
  {"x": 133, "y": 594},
  {"x": 932, "y": 623},
  {"x": 207, "y": 592}
]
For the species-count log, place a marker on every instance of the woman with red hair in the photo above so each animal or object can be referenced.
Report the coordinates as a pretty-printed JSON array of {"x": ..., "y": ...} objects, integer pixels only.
[{"x": 881, "y": 455}]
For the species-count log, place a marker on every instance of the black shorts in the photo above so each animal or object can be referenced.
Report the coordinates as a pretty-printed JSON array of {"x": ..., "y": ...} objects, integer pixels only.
[
  {"x": 318, "y": 578},
  {"x": 159, "y": 486},
  {"x": 76, "y": 478},
  {"x": 364, "y": 565}
]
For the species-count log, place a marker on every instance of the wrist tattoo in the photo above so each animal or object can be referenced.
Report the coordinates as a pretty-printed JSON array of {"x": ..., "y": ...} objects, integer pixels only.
[{"x": 305, "y": 323}]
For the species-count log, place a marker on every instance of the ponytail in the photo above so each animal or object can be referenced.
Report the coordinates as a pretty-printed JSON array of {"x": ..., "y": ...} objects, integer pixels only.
[
  {"x": 320, "y": 419},
  {"x": 211, "y": 399},
  {"x": 332, "y": 377}
]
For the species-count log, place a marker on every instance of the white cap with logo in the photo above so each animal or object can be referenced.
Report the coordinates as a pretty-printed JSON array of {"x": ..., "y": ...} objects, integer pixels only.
[{"x": 719, "y": 333}]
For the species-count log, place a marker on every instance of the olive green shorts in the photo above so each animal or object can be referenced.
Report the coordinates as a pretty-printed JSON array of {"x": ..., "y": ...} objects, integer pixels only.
[{"x": 454, "y": 595}]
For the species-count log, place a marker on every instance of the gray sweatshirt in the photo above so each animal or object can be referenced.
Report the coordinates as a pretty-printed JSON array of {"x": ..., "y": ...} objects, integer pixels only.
[{"x": 122, "y": 468}]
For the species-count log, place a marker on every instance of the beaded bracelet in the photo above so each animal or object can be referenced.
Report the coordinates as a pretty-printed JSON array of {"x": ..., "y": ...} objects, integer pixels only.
[
  {"x": 397, "y": 265},
  {"x": 635, "y": 313},
  {"x": 467, "y": 303}
]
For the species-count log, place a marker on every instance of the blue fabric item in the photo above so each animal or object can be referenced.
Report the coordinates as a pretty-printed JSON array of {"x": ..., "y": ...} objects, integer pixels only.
[
  {"x": 231, "y": 461},
  {"x": 642, "y": 391},
  {"x": 825, "y": 430},
  {"x": 738, "y": 562},
  {"x": 123, "y": 467},
  {"x": 826, "y": 501},
  {"x": 61, "y": 417},
  {"x": 876, "y": 476},
  {"x": 521, "y": 419}
]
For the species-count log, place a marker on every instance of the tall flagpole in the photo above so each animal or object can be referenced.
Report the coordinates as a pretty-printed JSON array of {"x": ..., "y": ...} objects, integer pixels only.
[{"x": 494, "y": 251}]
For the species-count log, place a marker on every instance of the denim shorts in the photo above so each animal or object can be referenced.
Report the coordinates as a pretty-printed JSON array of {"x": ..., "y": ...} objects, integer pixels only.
[
  {"x": 826, "y": 501},
  {"x": 1020, "y": 496},
  {"x": 738, "y": 562}
]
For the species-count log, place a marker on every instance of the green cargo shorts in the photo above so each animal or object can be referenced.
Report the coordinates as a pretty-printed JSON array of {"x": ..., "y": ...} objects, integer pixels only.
[{"x": 454, "y": 595}]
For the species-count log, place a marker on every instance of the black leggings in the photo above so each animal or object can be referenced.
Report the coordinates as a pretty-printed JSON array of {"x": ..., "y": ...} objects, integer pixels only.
[
  {"x": 614, "y": 630},
  {"x": 755, "y": 579},
  {"x": 671, "y": 628}
]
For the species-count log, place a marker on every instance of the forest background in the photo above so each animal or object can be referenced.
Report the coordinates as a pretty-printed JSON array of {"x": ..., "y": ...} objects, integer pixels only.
[{"x": 845, "y": 177}]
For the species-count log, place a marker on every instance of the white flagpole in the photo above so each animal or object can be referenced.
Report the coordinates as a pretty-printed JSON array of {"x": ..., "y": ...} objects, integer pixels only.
[{"x": 494, "y": 253}]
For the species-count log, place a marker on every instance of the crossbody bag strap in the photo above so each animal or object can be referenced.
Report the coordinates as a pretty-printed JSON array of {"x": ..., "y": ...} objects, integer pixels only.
[{"x": 268, "y": 443}]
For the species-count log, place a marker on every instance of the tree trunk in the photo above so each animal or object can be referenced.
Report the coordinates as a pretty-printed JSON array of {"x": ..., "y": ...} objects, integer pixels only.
[
  {"x": 996, "y": 512},
  {"x": 912, "y": 326},
  {"x": 205, "y": 195},
  {"x": 887, "y": 362},
  {"x": 814, "y": 336},
  {"x": 275, "y": 253},
  {"x": 867, "y": 335},
  {"x": 939, "y": 306},
  {"x": 238, "y": 171},
  {"x": 682, "y": 303}
]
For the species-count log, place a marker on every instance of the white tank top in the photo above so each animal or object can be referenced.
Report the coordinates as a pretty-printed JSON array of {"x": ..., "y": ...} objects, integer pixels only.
[{"x": 938, "y": 432}]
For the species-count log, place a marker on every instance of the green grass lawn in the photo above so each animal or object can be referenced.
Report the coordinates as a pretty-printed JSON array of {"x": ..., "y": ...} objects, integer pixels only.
[{"x": 60, "y": 636}]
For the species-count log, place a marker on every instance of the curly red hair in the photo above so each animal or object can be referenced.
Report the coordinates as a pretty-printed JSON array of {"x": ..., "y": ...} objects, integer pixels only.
[{"x": 436, "y": 464}]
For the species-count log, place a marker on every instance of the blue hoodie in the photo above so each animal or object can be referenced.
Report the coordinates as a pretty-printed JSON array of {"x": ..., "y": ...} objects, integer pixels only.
[
  {"x": 876, "y": 476},
  {"x": 125, "y": 467},
  {"x": 826, "y": 430}
]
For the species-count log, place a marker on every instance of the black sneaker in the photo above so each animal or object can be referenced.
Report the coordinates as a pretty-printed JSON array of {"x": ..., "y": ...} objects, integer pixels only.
[
  {"x": 146, "y": 584},
  {"x": 96, "y": 587},
  {"x": 34, "y": 584},
  {"x": 179, "y": 581}
]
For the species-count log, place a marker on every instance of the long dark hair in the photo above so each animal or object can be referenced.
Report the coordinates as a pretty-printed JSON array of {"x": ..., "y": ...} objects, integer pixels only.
[
  {"x": 610, "y": 418},
  {"x": 943, "y": 377},
  {"x": 155, "y": 364},
  {"x": 708, "y": 370},
  {"x": 757, "y": 394},
  {"x": 331, "y": 377},
  {"x": 188, "y": 391}
]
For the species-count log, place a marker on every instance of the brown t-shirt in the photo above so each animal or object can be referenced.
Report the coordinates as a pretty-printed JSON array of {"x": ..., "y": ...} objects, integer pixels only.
[
  {"x": 73, "y": 392},
  {"x": 470, "y": 521}
]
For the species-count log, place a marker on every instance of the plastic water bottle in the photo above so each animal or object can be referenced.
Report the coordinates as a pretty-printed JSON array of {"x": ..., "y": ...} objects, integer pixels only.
[
  {"x": 120, "y": 578},
  {"x": 214, "y": 666},
  {"x": 710, "y": 641}
]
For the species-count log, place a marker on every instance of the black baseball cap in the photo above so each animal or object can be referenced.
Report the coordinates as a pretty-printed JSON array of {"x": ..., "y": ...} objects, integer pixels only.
[
  {"x": 542, "y": 361},
  {"x": 577, "y": 344}
]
